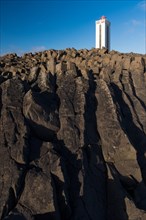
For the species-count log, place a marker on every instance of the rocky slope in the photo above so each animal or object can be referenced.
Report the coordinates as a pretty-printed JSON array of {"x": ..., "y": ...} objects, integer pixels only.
[{"x": 73, "y": 136}]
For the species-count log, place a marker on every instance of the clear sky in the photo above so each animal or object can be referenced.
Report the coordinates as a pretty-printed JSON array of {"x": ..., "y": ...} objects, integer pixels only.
[{"x": 33, "y": 25}]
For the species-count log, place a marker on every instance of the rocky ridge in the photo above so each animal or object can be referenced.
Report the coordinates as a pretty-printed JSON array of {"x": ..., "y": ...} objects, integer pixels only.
[{"x": 73, "y": 135}]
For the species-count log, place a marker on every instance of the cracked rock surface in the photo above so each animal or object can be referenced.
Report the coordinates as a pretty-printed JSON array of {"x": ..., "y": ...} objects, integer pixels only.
[{"x": 73, "y": 135}]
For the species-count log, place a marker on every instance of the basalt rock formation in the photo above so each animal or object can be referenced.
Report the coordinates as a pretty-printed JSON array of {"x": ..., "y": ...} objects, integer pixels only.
[{"x": 73, "y": 135}]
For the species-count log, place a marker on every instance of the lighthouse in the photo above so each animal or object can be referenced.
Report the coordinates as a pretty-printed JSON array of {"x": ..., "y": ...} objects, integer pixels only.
[{"x": 103, "y": 33}]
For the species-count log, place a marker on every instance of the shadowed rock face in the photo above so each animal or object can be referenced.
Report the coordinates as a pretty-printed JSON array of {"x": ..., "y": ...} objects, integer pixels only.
[{"x": 73, "y": 136}]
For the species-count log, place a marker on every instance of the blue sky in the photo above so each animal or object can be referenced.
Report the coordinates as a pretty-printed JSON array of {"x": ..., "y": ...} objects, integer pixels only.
[{"x": 35, "y": 25}]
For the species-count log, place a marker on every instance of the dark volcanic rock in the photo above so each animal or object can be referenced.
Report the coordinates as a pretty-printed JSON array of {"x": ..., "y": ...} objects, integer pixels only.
[
  {"x": 41, "y": 112},
  {"x": 73, "y": 135}
]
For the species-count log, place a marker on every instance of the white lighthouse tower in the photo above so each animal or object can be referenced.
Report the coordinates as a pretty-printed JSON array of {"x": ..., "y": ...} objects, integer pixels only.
[{"x": 103, "y": 33}]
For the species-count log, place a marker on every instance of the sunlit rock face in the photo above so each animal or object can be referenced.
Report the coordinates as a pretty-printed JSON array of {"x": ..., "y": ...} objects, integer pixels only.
[{"x": 73, "y": 135}]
